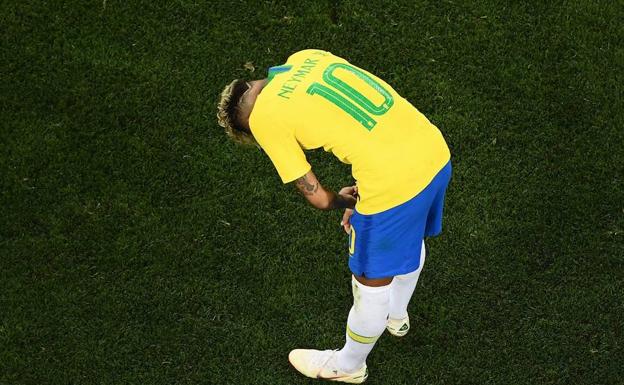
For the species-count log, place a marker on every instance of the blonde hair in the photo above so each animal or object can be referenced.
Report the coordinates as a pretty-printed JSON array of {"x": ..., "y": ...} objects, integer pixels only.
[{"x": 227, "y": 113}]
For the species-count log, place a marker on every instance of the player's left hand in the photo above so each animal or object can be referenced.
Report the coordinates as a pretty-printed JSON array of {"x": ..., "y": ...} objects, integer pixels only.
[
  {"x": 351, "y": 191},
  {"x": 346, "y": 220}
]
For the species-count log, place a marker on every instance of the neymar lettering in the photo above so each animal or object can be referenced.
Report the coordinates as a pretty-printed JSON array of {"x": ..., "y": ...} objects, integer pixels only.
[{"x": 290, "y": 85}]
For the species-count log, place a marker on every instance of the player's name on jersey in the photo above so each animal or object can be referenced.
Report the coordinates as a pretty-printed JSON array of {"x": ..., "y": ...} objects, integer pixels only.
[{"x": 298, "y": 75}]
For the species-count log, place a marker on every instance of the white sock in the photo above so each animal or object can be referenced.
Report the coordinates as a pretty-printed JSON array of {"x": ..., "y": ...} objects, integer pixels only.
[
  {"x": 402, "y": 288},
  {"x": 366, "y": 322}
]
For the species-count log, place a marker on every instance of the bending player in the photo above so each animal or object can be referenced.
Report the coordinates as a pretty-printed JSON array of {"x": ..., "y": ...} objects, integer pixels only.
[{"x": 402, "y": 167}]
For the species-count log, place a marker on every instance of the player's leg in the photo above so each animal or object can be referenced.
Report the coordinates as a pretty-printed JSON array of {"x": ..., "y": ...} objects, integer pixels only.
[
  {"x": 402, "y": 287},
  {"x": 401, "y": 291},
  {"x": 366, "y": 321}
]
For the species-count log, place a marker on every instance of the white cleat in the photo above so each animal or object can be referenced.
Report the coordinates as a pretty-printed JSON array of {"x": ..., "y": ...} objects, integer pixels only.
[
  {"x": 398, "y": 327},
  {"x": 323, "y": 364}
]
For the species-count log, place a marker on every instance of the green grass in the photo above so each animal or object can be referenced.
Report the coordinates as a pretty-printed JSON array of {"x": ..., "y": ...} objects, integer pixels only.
[{"x": 139, "y": 246}]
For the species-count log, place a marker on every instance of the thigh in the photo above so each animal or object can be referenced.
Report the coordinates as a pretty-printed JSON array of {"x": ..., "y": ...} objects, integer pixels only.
[
  {"x": 385, "y": 245},
  {"x": 373, "y": 282}
]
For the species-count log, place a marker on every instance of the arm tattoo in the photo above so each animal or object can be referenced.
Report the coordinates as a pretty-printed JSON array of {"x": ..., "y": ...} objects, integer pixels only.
[{"x": 306, "y": 187}]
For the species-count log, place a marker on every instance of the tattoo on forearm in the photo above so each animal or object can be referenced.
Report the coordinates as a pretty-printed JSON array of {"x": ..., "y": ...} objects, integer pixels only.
[{"x": 306, "y": 187}]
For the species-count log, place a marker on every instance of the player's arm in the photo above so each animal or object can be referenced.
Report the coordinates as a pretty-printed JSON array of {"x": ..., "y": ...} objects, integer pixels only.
[{"x": 321, "y": 198}]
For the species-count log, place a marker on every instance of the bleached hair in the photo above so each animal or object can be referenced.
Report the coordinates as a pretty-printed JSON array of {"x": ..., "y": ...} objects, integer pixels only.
[{"x": 227, "y": 113}]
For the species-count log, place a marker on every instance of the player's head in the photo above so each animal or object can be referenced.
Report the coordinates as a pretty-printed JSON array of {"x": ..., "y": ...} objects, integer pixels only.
[{"x": 235, "y": 106}]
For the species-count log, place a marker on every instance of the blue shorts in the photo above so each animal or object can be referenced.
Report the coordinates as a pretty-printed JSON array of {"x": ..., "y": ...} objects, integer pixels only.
[{"x": 388, "y": 243}]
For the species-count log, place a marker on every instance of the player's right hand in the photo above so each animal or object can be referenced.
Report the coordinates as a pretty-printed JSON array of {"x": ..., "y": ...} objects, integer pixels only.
[{"x": 349, "y": 190}]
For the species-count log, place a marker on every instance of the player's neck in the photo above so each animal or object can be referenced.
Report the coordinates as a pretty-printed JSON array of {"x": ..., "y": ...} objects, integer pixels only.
[{"x": 262, "y": 82}]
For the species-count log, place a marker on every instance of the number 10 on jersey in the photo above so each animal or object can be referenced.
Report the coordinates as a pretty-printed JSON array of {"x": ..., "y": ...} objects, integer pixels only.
[{"x": 350, "y": 100}]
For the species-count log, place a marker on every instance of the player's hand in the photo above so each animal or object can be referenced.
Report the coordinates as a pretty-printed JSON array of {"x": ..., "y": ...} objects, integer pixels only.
[
  {"x": 349, "y": 190},
  {"x": 346, "y": 220}
]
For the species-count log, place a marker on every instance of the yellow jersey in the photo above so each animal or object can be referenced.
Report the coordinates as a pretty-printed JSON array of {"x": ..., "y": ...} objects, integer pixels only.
[{"x": 317, "y": 99}]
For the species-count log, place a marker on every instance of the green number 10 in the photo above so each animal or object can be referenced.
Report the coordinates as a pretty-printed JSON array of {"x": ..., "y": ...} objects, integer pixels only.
[{"x": 350, "y": 100}]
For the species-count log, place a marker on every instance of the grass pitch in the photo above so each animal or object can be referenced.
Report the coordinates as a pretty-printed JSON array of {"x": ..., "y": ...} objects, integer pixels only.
[{"x": 139, "y": 246}]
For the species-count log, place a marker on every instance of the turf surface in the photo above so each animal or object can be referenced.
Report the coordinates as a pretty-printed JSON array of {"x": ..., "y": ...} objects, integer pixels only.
[{"x": 139, "y": 246}]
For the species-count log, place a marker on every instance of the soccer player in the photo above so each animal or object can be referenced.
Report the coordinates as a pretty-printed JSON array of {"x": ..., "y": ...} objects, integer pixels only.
[{"x": 401, "y": 165}]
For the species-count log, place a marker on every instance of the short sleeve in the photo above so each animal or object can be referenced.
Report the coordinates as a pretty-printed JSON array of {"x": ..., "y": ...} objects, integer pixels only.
[{"x": 284, "y": 151}]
